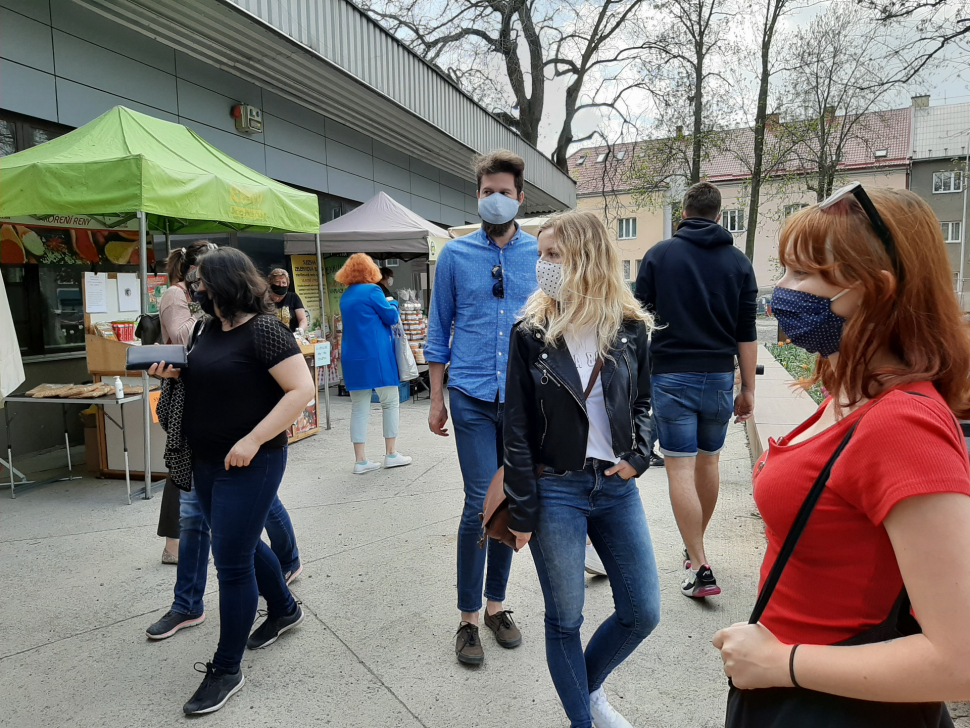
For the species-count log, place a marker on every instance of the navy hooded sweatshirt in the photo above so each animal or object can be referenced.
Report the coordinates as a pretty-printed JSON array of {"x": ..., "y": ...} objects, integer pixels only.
[{"x": 703, "y": 293}]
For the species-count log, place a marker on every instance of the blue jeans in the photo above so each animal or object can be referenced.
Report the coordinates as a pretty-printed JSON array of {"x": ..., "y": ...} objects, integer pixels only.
[
  {"x": 193, "y": 565},
  {"x": 478, "y": 436},
  {"x": 693, "y": 411},
  {"x": 235, "y": 503},
  {"x": 609, "y": 509}
]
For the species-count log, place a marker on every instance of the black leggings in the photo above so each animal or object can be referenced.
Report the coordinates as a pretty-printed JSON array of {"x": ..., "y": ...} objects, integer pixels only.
[{"x": 168, "y": 516}]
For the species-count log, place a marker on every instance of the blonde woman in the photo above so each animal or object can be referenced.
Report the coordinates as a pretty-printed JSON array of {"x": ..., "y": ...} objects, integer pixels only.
[
  {"x": 577, "y": 433},
  {"x": 289, "y": 306}
]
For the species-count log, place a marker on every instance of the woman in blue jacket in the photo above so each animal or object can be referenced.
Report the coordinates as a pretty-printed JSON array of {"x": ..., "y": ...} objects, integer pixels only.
[{"x": 367, "y": 358}]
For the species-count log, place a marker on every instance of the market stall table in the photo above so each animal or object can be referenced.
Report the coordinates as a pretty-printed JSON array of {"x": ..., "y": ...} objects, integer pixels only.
[{"x": 100, "y": 401}]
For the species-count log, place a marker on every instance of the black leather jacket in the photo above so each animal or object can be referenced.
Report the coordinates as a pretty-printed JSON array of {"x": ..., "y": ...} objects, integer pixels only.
[{"x": 545, "y": 412}]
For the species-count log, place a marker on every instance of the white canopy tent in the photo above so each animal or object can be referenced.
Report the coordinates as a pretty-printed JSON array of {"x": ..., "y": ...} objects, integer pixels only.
[
  {"x": 380, "y": 225},
  {"x": 530, "y": 225}
]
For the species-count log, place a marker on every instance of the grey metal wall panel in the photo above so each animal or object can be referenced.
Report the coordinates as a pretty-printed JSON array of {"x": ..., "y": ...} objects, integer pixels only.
[
  {"x": 294, "y": 113},
  {"x": 294, "y": 139},
  {"x": 456, "y": 183},
  {"x": 349, "y": 160},
  {"x": 390, "y": 154},
  {"x": 350, "y": 185},
  {"x": 472, "y": 219},
  {"x": 37, "y": 9},
  {"x": 345, "y": 135},
  {"x": 452, "y": 198},
  {"x": 471, "y": 205},
  {"x": 392, "y": 175},
  {"x": 77, "y": 104},
  {"x": 76, "y": 20},
  {"x": 215, "y": 79},
  {"x": 27, "y": 90},
  {"x": 209, "y": 108},
  {"x": 296, "y": 170},
  {"x": 471, "y": 188},
  {"x": 424, "y": 169},
  {"x": 250, "y": 153},
  {"x": 94, "y": 66},
  {"x": 425, "y": 187},
  {"x": 395, "y": 194},
  {"x": 451, "y": 216},
  {"x": 26, "y": 41},
  {"x": 426, "y": 208}
]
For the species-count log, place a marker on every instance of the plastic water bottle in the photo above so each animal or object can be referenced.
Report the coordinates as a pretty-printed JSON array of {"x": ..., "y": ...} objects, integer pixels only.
[{"x": 119, "y": 388}]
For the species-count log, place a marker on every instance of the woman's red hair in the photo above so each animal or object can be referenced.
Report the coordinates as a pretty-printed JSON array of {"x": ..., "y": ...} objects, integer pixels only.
[
  {"x": 919, "y": 320},
  {"x": 359, "y": 268}
]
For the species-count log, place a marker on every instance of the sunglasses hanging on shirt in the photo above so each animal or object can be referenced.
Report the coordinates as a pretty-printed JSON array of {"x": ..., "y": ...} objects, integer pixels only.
[{"x": 498, "y": 290}]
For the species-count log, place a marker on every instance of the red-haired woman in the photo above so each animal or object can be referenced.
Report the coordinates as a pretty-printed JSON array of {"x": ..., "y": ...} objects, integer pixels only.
[
  {"x": 367, "y": 358},
  {"x": 867, "y": 286}
]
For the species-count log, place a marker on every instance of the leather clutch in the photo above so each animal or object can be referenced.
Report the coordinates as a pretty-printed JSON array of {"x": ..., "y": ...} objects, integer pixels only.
[{"x": 139, "y": 358}]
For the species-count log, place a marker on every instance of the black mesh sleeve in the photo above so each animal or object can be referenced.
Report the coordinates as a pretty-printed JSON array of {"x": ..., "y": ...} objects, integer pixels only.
[{"x": 274, "y": 341}]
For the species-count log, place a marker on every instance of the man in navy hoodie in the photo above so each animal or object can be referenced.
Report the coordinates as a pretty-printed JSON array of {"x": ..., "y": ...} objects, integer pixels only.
[{"x": 703, "y": 293}]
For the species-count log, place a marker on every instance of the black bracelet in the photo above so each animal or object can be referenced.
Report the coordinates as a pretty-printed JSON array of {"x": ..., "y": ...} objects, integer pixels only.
[{"x": 791, "y": 666}]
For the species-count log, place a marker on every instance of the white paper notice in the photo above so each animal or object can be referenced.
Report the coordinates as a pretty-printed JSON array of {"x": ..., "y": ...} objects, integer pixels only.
[
  {"x": 129, "y": 292},
  {"x": 96, "y": 293}
]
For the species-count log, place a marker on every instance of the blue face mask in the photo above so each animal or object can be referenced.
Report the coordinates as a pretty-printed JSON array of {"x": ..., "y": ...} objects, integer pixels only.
[
  {"x": 808, "y": 320},
  {"x": 497, "y": 208}
]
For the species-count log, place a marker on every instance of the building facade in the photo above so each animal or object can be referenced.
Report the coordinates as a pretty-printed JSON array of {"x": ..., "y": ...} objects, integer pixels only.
[{"x": 347, "y": 111}]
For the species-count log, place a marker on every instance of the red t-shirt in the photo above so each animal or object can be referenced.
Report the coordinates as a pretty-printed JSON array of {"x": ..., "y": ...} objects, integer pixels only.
[{"x": 843, "y": 578}]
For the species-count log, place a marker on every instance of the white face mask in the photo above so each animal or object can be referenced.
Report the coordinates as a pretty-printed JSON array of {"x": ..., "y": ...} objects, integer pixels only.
[
  {"x": 549, "y": 276},
  {"x": 390, "y": 282}
]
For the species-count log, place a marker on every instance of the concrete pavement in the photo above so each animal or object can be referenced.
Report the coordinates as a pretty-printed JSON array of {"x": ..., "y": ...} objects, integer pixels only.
[{"x": 81, "y": 580}]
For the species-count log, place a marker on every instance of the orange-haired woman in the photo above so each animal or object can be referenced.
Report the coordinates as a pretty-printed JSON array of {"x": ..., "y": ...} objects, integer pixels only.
[
  {"x": 367, "y": 357},
  {"x": 865, "y": 503}
]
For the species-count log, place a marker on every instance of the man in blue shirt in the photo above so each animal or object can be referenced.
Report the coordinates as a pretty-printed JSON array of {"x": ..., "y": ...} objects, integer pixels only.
[{"x": 481, "y": 282}]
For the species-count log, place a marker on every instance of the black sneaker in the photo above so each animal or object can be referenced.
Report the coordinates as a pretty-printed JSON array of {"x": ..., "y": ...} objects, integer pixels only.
[
  {"x": 655, "y": 460},
  {"x": 171, "y": 623},
  {"x": 269, "y": 631},
  {"x": 216, "y": 688},
  {"x": 700, "y": 583}
]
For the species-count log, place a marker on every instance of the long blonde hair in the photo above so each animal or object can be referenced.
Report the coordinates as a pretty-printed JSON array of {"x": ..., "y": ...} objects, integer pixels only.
[{"x": 593, "y": 291}]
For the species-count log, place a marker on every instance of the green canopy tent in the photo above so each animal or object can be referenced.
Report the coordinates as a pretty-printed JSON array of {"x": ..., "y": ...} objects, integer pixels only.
[{"x": 125, "y": 166}]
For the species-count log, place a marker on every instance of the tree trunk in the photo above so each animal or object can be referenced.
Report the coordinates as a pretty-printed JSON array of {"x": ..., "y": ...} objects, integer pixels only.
[
  {"x": 695, "y": 155},
  {"x": 561, "y": 154}
]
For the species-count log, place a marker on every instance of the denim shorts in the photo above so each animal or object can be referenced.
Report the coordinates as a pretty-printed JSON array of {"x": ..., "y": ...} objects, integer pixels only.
[{"x": 693, "y": 411}]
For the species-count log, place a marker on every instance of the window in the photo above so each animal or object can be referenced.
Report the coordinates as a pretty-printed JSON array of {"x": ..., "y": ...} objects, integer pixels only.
[
  {"x": 620, "y": 154},
  {"x": 793, "y": 208},
  {"x": 947, "y": 182},
  {"x": 392, "y": 262},
  {"x": 602, "y": 157},
  {"x": 880, "y": 153},
  {"x": 581, "y": 161},
  {"x": 636, "y": 266},
  {"x": 626, "y": 270},
  {"x": 951, "y": 232},
  {"x": 733, "y": 220},
  {"x": 18, "y": 132},
  {"x": 628, "y": 228}
]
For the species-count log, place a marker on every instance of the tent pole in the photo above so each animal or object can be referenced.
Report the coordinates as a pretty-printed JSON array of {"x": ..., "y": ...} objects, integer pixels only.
[
  {"x": 145, "y": 404},
  {"x": 326, "y": 371},
  {"x": 168, "y": 241}
]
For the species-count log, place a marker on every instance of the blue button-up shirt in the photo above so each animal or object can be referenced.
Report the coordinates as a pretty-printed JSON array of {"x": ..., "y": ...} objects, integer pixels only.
[{"x": 462, "y": 295}]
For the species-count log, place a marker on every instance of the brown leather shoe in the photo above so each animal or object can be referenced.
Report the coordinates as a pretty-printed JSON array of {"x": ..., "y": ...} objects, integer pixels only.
[
  {"x": 468, "y": 645},
  {"x": 506, "y": 633}
]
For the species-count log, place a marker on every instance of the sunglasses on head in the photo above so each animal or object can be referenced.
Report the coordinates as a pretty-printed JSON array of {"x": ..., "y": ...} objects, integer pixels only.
[
  {"x": 879, "y": 226},
  {"x": 498, "y": 290}
]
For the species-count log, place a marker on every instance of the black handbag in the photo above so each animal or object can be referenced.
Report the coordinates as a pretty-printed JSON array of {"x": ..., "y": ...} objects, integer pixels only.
[
  {"x": 148, "y": 330},
  {"x": 803, "y": 708}
]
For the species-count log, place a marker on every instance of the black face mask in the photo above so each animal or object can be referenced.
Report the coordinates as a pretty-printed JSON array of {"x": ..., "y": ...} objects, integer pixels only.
[
  {"x": 205, "y": 302},
  {"x": 279, "y": 290}
]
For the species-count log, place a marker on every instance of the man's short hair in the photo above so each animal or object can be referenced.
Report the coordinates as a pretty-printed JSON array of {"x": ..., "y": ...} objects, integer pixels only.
[
  {"x": 501, "y": 160},
  {"x": 386, "y": 273},
  {"x": 702, "y": 200}
]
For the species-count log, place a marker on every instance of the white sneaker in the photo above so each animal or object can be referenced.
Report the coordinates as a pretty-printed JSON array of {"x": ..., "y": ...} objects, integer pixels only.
[
  {"x": 594, "y": 564},
  {"x": 396, "y": 460},
  {"x": 366, "y": 467},
  {"x": 604, "y": 716}
]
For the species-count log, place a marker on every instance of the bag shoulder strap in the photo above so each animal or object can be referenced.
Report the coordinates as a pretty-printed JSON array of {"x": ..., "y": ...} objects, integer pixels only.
[
  {"x": 798, "y": 526},
  {"x": 597, "y": 367}
]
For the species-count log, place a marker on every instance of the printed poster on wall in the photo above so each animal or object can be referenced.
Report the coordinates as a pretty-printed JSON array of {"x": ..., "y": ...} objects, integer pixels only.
[
  {"x": 29, "y": 244},
  {"x": 334, "y": 289},
  {"x": 157, "y": 285},
  {"x": 307, "y": 287}
]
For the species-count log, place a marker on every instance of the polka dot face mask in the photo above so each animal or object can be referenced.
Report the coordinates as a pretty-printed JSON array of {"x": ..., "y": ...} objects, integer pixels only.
[
  {"x": 808, "y": 320},
  {"x": 549, "y": 276}
]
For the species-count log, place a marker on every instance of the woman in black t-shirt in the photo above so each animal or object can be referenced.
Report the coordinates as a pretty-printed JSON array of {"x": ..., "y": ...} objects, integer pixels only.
[
  {"x": 289, "y": 306},
  {"x": 245, "y": 383}
]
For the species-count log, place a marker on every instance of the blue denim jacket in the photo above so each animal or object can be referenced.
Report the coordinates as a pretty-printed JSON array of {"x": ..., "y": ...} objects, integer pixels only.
[{"x": 462, "y": 295}]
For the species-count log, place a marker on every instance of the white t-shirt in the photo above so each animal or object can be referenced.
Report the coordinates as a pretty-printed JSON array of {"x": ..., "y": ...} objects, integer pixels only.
[{"x": 582, "y": 348}]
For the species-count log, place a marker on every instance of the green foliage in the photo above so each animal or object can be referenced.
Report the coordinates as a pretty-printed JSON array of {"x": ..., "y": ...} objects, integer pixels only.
[{"x": 799, "y": 364}]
